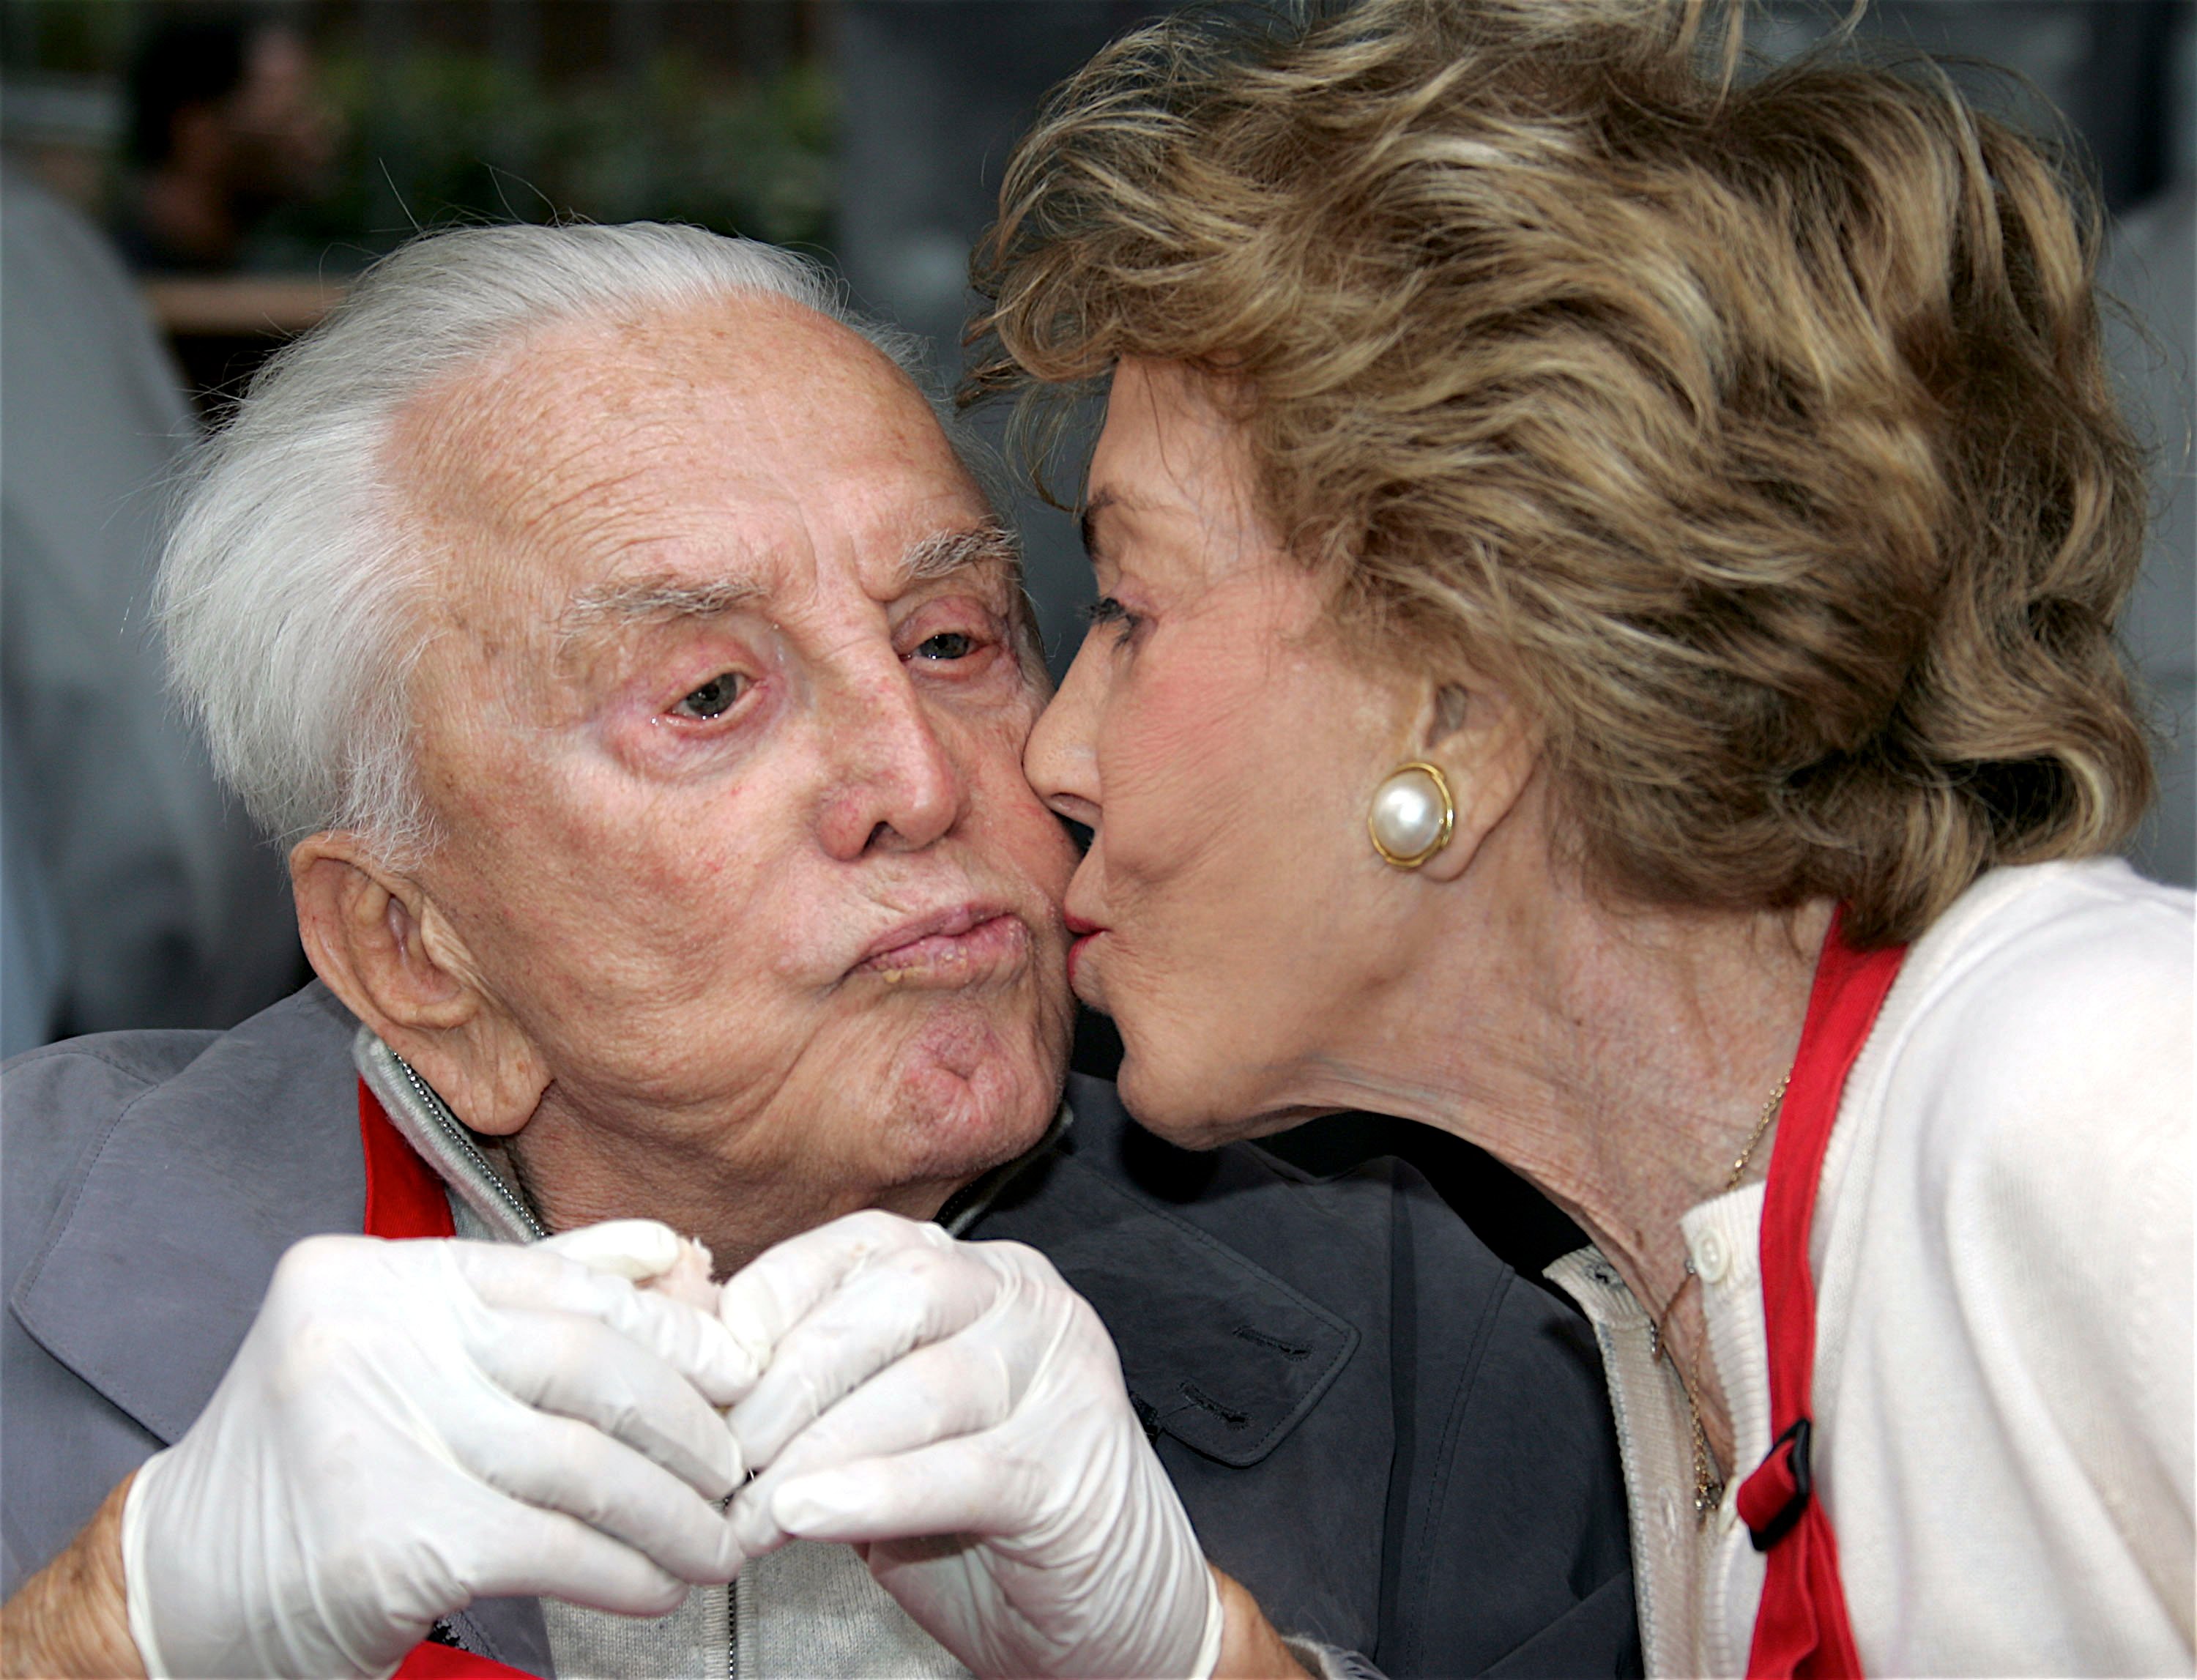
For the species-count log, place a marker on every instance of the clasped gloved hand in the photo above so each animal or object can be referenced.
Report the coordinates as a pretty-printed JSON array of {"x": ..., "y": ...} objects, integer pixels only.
[
  {"x": 411, "y": 1425},
  {"x": 958, "y": 1412}
]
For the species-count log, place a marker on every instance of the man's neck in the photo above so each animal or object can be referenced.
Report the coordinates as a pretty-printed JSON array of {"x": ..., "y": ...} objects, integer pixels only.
[{"x": 579, "y": 1171}]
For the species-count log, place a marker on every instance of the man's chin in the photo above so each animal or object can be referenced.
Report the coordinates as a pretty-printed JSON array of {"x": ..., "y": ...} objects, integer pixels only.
[
  {"x": 965, "y": 1098},
  {"x": 955, "y": 1129}
]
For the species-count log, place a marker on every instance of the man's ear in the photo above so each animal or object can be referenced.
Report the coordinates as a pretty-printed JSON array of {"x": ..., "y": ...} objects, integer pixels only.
[
  {"x": 376, "y": 937},
  {"x": 1487, "y": 749}
]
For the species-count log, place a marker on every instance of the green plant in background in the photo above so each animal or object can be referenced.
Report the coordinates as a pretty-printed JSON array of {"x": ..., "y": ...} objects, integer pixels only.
[
  {"x": 435, "y": 136},
  {"x": 752, "y": 158},
  {"x": 72, "y": 36}
]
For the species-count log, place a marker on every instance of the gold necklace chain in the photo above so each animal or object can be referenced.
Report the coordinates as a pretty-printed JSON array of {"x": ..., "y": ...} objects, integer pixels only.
[
  {"x": 1708, "y": 1484},
  {"x": 1769, "y": 1113}
]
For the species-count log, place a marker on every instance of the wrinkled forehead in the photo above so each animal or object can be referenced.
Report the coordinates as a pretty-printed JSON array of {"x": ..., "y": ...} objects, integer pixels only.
[{"x": 748, "y": 446}]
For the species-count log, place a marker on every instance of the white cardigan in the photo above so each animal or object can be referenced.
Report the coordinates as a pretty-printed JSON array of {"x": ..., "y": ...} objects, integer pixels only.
[{"x": 2001, "y": 1250}]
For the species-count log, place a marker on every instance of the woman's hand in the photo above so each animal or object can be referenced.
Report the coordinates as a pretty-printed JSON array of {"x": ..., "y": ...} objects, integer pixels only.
[{"x": 957, "y": 1411}]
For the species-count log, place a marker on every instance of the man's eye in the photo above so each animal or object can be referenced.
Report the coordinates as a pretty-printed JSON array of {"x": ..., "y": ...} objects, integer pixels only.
[
  {"x": 947, "y": 645},
  {"x": 713, "y": 697}
]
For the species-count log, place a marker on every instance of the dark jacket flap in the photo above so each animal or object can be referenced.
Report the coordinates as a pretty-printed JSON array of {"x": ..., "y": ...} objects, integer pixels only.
[{"x": 1216, "y": 1350}]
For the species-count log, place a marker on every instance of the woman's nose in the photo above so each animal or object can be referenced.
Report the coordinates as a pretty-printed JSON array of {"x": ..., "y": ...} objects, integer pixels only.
[
  {"x": 896, "y": 785},
  {"x": 1061, "y": 757}
]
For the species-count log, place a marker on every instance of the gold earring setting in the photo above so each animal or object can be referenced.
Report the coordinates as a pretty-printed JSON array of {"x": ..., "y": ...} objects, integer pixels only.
[{"x": 1411, "y": 815}]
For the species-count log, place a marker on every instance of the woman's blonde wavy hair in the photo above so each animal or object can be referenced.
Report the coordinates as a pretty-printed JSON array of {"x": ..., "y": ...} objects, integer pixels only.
[{"x": 1755, "y": 429}]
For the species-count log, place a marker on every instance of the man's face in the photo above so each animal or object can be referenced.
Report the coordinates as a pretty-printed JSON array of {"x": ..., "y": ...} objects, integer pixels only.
[{"x": 720, "y": 709}]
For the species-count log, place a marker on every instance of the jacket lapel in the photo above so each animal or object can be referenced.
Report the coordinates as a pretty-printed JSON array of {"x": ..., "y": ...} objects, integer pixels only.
[
  {"x": 154, "y": 1267},
  {"x": 1216, "y": 1350}
]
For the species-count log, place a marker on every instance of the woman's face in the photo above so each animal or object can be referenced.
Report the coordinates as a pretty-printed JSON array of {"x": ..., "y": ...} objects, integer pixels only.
[{"x": 1222, "y": 748}]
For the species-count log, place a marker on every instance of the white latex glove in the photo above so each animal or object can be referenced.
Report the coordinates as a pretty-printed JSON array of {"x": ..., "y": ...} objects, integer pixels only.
[
  {"x": 409, "y": 1426},
  {"x": 957, "y": 1411}
]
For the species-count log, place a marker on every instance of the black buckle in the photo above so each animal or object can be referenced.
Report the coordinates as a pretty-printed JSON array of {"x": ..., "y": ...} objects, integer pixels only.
[{"x": 1789, "y": 1514}]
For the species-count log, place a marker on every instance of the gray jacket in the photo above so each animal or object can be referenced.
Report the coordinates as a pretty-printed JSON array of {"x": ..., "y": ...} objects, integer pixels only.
[{"x": 1399, "y": 1446}]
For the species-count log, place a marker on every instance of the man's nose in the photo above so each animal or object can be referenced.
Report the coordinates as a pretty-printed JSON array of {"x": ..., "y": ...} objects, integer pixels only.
[
  {"x": 896, "y": 785},
  {"x": 1062, "y": 759}
]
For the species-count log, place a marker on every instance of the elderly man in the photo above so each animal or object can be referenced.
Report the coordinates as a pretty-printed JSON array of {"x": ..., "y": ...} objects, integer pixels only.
[{"x": 647, "y": 677}]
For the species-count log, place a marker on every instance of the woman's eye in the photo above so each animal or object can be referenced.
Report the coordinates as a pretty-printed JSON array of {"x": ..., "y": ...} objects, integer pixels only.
[
  {"x": 713, "y": 697},
  {"x": 947, "y": 645},
  {"x": 1108, "y": 611}
]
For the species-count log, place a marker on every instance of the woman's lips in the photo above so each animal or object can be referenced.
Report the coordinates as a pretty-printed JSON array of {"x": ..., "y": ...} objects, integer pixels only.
[
  {"x": 1085, "y": 932},
  {"x": 951, "y": 948}
]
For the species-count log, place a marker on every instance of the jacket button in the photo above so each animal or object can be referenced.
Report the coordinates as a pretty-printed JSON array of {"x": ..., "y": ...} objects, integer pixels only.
[{"x": 1712, "y": 1257}]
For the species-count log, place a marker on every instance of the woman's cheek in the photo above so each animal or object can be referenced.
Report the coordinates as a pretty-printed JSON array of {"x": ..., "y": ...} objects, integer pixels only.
[{"x": 1180, "y": 798}]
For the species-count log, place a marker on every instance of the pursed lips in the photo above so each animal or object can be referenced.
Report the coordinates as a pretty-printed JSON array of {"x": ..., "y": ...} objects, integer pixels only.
[
  {"x": 954, "y": 946},
  {"x": 1081, "y": 933}
]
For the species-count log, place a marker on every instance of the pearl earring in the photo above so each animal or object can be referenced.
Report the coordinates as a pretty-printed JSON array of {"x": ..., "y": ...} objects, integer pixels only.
[{"x": 1411, "y": 815}]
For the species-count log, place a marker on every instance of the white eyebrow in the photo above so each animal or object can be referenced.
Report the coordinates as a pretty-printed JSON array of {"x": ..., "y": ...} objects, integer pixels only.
[
  {"x": 641, "y": 599},
  {"x": 644, "y": 600},
  {"x": 647, "y": 600},
  {"x": 945, "y": 553}
]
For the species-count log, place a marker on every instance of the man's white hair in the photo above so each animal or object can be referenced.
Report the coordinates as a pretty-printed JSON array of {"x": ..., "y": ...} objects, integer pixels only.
[{"x": 283, "y": 588}]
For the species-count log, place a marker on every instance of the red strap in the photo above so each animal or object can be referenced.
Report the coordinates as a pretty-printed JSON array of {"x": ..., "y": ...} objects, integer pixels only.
[
  {"x": 1801, "y": 1627},
  {"x": 427, "y": 1661},
  {"x": 403, "y": 1196}
]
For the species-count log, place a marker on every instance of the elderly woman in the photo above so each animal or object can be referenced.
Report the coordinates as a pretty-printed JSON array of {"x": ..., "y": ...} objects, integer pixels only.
[{"x": 1608, "y": 574}]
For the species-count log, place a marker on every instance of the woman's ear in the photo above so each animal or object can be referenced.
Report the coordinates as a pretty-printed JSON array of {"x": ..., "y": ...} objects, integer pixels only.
[
  {"x": 1474, "y": 732},
  {"x": 377, "y": 939}
]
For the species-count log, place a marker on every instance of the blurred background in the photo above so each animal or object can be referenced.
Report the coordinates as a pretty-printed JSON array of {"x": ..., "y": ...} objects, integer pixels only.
[{"x": 187, "y": 185}]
